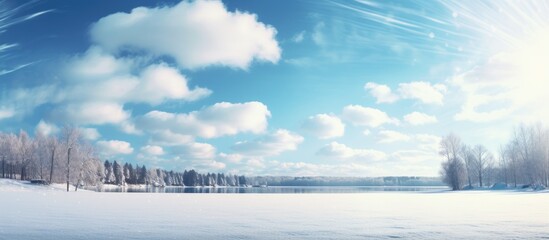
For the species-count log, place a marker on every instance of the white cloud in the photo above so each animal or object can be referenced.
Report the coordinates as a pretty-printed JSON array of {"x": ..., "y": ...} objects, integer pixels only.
[
  {"x": 382, "y": 93},
  {"x": 417, "y": 118},
  {"x": 168, "y": 138},
  {"x": 423, "y": 91},
  {"x": 95, "y": 64},
  {"x": 114, "y": 147},
  {"x": 6, "y": 113},
  {"x": 414, "y": 156},
  {"x": 195, "y": 151},
  {"x": 428, "y": 142},
  {"x": 92, "y": 113},
  {"x": 160, "y": 82},
  {"x": 152, "y": 150},
  {"x": 341, "y": 151},
  {"x": 129, "y": 127},
  {"x": 232, "y": 158},
  {"x": 388, "y": 136},
  {"x": 96, "y": 87},
  {"x": 214, "y": 121},
  {"x": 270, "y": 145},
  {"x": 208, "y": 165},
  {"x": 324, "y": 126},
  {"x": 90, "y": 133},
  {"x": 366, "y": 116},
  {"x": 202, "y": 33},
  {"x": 45, "y": 128},
  {"x": 255, "y": 163}
]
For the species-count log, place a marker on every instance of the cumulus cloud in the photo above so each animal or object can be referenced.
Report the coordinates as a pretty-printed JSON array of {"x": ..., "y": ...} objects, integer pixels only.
[
  {"x": 160, "y": 82},
  {"x": 152, "y": 150},
  {"x": 417, "y": 118},
  {"x": 99, "y": 75},
  {"x": 414, "y": 156},
  {"x": 201, "y": 33},
  {"x": 96, "y": 87},
  {"x": 428, "y": 142},
  {"x": 423, "y": 91},
  {"x": 45, "y": 128},
  {"x": 90, "y": 133},
  {"x": 382, "y": 93},
  {"x": 195, "y": 150},
  {"x": 214, "y": 121},
  {"x": 168, "y": 138},
  {"x": 231, "y": 157},
  {"x": 208, "y": 165},
  {"x": 114, "y": 147},
  {"x": 366, "y": 116},
  {"x": 389, "y": 136},
  {"x": 324, "y": 126},
  {"x": 92, "y": 113},
  {"x": 96, "y": 64},
  {"x": 341, "y": 151},
  {"x": 270, "y": 145}
]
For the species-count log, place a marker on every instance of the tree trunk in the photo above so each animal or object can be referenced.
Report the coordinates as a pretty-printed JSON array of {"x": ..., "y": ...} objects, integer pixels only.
[
  {"x": 3, "y": 166},
  {"x": 480, "y": 178},
  {"x": 68, "y": 167},
  {"x": 51, "y": 167}
]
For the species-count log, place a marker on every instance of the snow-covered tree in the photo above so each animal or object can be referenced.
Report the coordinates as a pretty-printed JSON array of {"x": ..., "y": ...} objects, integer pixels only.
[{"x": 118, "y": 174}]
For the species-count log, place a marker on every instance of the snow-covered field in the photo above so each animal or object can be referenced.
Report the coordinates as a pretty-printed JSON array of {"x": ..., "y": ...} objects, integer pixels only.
[{"x": 37, "y": 212}]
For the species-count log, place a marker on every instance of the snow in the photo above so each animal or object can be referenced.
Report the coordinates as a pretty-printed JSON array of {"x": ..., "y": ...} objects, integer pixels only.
[{"x": 44, "y": 212}]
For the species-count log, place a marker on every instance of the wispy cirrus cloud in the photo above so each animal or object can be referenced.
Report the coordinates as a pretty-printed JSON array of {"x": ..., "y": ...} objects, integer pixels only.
[{"x": 10, "y": 16}]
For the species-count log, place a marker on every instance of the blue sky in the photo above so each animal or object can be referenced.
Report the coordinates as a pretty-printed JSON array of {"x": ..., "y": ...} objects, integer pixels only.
[{"x": 343, "y": 88}]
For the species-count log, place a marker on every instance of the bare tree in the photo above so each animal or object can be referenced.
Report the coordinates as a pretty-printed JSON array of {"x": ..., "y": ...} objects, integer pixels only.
[
  {"x": 468, "y": 158},
  {"x": 482, "y": 159},
  {"x": 504, "y": 164},
  {"x": 453, "y": 169}
]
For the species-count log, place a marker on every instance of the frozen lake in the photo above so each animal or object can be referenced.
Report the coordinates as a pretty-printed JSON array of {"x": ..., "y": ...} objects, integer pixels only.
[
  {"x": 276, "y": 189},
  {"x": 45, "y": 213}
]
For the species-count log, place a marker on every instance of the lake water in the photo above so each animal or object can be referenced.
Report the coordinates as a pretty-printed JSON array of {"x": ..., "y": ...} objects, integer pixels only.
[{"x": 276, "y": 189}]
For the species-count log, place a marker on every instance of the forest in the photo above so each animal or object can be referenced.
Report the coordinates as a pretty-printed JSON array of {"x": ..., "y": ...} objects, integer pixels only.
[
  {"x": 70, "y": 158},
  {"x": 522, "y": 162}
]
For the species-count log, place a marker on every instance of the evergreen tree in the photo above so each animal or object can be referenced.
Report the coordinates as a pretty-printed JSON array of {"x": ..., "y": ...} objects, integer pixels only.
[
  {"x": 118, "y": 174},
  {"x": 109, "y": 173},
  {"x": 243, "y": 181},
  {"x": 142, "y": 176}
]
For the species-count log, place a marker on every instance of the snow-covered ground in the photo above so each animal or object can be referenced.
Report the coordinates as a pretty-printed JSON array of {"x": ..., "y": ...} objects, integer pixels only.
[{"x": 38, "y": 212}]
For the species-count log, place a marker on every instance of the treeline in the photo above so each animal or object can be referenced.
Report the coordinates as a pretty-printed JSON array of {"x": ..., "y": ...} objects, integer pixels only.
[
  {"x": 344, "y": 181},
  {"x": 118, "y": 174},
  {"x": 56, "y": 159},
  {"x": 522, "y": 162},
  {"x": 70, "y": 158}
]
